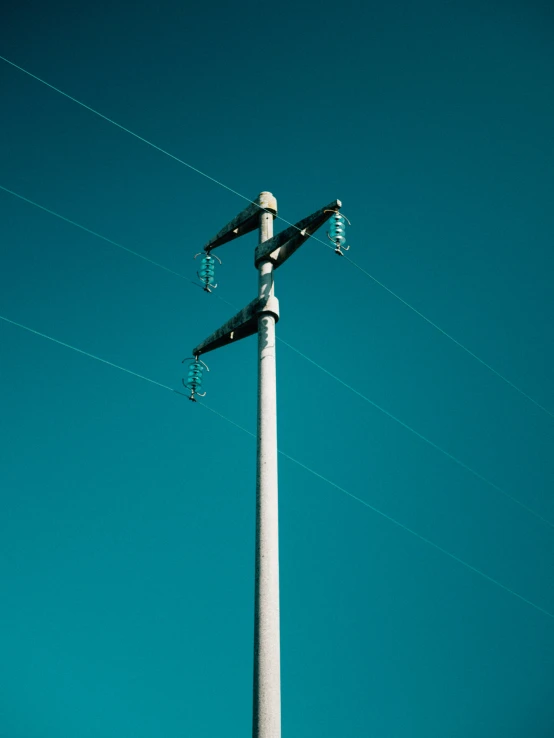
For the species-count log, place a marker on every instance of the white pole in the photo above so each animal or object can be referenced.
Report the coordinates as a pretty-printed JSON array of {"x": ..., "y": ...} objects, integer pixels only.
[{"x": 267, "y": 659}]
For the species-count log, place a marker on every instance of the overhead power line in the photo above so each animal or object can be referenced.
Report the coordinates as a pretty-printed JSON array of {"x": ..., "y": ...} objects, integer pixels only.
[
  {"x": 451, "y": 338},
  {"x": 421, "y": 436},
  {"x": 123, "y": 128},
  {"x": 315, "y": 238},
  {"x": 85, "y": 353},
  {"x": 384, "y": 515},
  {"x": 99, "y": 235},
  {"x": 359, "y": 394}
]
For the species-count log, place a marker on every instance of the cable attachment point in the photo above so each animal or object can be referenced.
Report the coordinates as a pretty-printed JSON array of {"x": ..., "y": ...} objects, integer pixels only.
[
  {"x": 207, "y": 270},
  {"x": 337, "y": 230},
  {"x": 194, "y": 378}
]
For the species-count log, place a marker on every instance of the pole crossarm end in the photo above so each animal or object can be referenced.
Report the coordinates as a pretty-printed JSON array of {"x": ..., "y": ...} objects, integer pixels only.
[
  {"x": 282, "y": 246},
  {"x": 241, "y": 325},
  {"x": 247, "y": 220}
]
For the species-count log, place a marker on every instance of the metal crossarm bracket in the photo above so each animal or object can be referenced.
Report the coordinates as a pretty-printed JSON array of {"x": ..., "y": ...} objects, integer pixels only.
[
  {"x": 242, "y": 325},
  {"x": 279, "y": 248},
  {"x": 246, "y": 221}
]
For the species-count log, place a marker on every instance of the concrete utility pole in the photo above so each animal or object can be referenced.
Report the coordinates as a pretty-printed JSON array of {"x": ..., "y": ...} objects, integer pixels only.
[
  {"x": 260, "y": 316},
  {"x": 267, "y": 652}
]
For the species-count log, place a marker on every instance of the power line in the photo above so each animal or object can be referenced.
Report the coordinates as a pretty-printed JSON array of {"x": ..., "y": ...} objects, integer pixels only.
[
  {"x": 108, "y": 240},
  {"x": 123, "y": 128},
  {"x": 315, "y": 238},
  {"x": 85, "y": 353},
  {"x": 298, "y": 463},
  {"x": 99, "y": 235},
  {"x": 416, "y": 534},
  {"x": 451, "y": 338},
  {"x": 419, "y": 435}
]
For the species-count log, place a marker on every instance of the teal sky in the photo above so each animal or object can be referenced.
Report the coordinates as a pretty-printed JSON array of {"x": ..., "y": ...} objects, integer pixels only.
[{"x": 127, "y": 524}]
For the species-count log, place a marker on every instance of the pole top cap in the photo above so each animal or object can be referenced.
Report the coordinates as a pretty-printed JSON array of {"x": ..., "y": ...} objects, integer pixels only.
[{"x": 268, "y": 202}]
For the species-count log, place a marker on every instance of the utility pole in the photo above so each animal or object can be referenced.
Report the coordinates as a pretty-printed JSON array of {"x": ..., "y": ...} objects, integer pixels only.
[
  {"x": 260, "y": 316},
  {"x": 267, "y": 651}
]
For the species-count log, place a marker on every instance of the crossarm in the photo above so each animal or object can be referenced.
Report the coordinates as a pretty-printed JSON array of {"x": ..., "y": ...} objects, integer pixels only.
[{"x": 279, "y": 248}]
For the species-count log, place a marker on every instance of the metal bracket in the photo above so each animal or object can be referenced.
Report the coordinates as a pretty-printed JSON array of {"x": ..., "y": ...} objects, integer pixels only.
[
  {"x": 242, "y": 325},
  {"x": 282, "y": 246},
  {"x": 246, "y": 221}
]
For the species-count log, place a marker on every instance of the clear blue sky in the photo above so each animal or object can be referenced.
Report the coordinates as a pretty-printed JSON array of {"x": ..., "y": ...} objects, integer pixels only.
[{"x": 127, "y": 524}]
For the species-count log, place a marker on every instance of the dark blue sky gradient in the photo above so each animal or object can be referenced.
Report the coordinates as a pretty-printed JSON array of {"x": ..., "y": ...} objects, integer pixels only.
[{"x": 127, "y": 526}]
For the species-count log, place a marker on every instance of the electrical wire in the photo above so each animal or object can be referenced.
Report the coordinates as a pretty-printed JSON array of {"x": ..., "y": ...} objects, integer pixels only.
[
  {"x": 315, "y": 238},
  {"x": 123, "y": 128},
  {"x": 451, "y": 338},
  {"x": 419, "y": 435},
  {"x": 111, "y": 241},
  {"x": 416, "y": 534},
  {"x": 298, "y": 463},
  {"x": 85, "y": 353},
  {"x": 99, "y": 235}
]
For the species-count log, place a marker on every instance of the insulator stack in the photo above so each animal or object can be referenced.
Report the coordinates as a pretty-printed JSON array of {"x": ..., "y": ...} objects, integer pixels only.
[
  {"x": 337, "y": 232},
  {"x": 207, "y": 271},
  {"x": 194, "y": 378}
]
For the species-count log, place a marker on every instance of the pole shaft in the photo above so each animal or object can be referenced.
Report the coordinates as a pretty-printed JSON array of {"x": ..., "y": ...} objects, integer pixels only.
[{"x": 267, "y": 660}]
